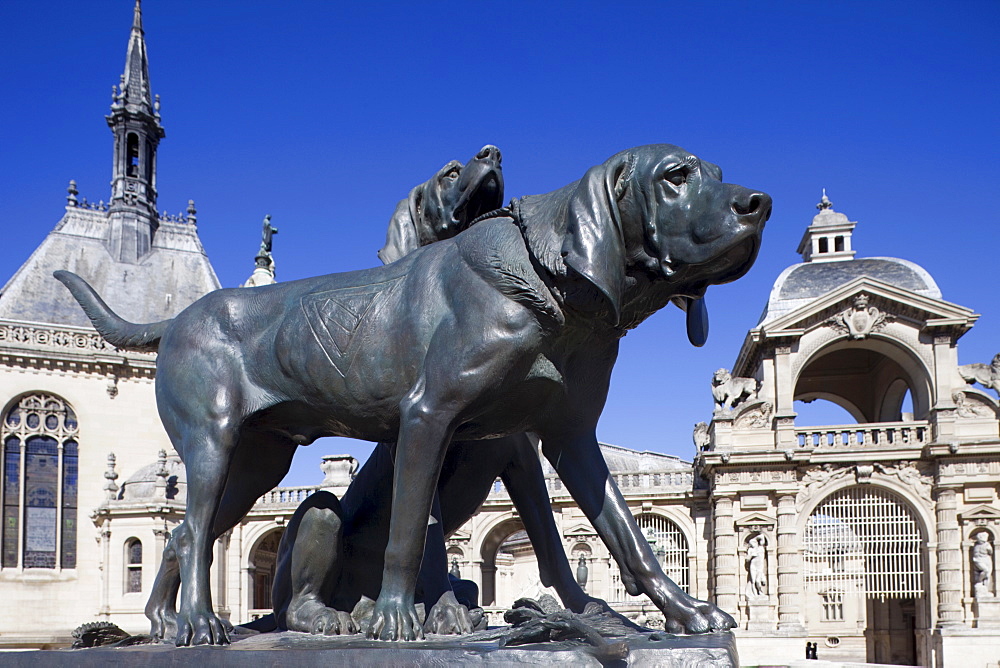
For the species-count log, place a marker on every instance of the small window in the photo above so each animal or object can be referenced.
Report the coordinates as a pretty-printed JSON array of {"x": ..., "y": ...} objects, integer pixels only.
[
  {"x": 824, "y": 245},
  {"x": 833, "y": 606},
  {"x": 133, "y": 566},
  {"x": 838, "y": 244}
]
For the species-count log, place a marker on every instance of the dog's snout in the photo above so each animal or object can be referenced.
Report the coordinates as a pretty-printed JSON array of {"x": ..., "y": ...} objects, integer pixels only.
[
  {"x": 489, "y": 151},
  {"x": 755, "y": 204}
]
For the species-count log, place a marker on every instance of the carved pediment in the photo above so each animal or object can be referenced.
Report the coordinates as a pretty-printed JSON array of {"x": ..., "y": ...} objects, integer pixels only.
[
  {"x": 580, "y": 530},
  {"x": 843, "y": 305},
  {"x": 756, "y": 521},
  {"x": 980, "y": 512},
  {"x": 460, "y": 535}
]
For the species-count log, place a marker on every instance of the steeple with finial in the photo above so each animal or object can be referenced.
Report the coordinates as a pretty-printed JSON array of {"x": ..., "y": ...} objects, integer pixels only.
[
  {"x": 135, "y": 123},
  {"x": 828, "y": 238}
]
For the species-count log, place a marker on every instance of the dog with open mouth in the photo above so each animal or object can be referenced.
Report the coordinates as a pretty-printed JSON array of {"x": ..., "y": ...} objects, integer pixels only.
[
  {"x": 510, "y": 326},
  {"x": 446, "y": 204}
]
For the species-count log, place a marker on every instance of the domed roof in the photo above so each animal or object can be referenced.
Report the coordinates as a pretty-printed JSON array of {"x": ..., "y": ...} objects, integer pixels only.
[
  {"x": 829, "y": 262},
  {"x": 141, "y": 485},
  {"x": 801, "y": 283}
]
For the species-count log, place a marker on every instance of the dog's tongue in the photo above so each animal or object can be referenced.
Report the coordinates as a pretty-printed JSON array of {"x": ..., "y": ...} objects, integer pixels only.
[{"x": 697, "y": 321}]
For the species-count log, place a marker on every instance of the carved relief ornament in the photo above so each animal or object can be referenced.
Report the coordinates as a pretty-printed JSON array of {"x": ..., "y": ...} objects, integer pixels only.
[{"x": 859, "y": 321}]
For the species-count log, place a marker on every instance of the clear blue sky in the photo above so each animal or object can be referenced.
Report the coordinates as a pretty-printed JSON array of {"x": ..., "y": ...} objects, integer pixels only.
[{"x": 325, "y": 114}]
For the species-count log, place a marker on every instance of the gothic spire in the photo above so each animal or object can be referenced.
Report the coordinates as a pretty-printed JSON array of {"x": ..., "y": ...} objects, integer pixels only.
[
  {"x": 135, "y": 80},
  {"x": 135, "y": 123}
]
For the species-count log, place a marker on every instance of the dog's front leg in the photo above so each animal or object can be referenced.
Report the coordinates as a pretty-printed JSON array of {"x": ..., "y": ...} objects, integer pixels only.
[
  {"x": 424, "y": 433},
  {"x": 580, "y": 464}
]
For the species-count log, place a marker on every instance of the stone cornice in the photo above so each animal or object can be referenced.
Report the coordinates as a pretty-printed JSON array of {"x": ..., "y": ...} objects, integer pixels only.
[{"x": 65, "y": 348}]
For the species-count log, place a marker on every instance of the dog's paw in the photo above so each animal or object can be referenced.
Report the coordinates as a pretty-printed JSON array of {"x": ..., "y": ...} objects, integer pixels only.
[
  {"x": 718, "y": 620},
  {"x": 449, "y": 617},
  {"x": 309, "y": 616},
  {"x": 200, "y": 628},
  {"x": 694, "y": 616},
  {"x": 162, "y": 622},
  {"x": 394, "y": 619}
]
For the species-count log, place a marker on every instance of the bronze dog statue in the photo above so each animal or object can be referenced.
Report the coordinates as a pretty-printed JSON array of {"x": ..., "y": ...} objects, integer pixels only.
[
  {"x": 511, "y": 326},
  {"x": 442, "y": 205}
]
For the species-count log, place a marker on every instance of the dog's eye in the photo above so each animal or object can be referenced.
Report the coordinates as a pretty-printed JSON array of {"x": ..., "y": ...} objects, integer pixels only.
[{"x": 676, "y": 176}]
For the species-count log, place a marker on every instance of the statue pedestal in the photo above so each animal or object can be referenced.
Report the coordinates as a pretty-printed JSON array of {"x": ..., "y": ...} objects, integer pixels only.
[
  {"x": 302, "y": 649},
  {"x": 986, "y": 610},
  {"x": 760, "y": 614}
]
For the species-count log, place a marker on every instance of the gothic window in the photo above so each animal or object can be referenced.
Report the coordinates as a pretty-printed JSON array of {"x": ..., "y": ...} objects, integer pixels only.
[
  {"x": 133, "y": 565},
  {"x": 39, "y": 484}
]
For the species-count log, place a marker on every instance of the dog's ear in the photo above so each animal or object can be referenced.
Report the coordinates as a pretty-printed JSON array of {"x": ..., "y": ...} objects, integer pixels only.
[
  {"x": 594, "y": 245},
  {"x": 401, "y": 237}
]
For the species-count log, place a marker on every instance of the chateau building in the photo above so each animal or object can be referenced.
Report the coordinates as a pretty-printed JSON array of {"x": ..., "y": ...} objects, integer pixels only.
[
  {"x": 875, "y": 539},
  {"x": 68, "y": 398}
]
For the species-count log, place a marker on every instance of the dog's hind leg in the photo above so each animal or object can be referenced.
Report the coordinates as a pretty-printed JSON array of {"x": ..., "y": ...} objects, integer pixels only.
[{"x": 260, "y": 462}]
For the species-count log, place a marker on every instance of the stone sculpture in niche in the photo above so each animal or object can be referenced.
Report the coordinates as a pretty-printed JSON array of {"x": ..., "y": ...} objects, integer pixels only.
[
  {"x": 987, "y": 375},
  {"x": 756, "y": 561},
  {"x": 729, "y": 391},
  {"x": 982, "y": 565},
  {"x": 548, "y": 288}
]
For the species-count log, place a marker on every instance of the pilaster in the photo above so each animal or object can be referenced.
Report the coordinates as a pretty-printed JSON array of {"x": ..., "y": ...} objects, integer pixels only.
[
  {"x": 789, "y": 566},
  {"x": 726, "y": 560},
  {"x": 949, "y": 559}
]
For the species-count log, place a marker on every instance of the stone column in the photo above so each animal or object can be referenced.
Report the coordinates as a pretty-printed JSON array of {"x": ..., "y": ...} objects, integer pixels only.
[
  {"x": 949, "y": 559},
  {"x": 727, "y": 575},
  {"x": 789, "y": 567}
]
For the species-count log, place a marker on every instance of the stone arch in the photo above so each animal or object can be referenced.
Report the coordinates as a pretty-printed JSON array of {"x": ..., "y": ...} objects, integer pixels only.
[
  {"x": 864, "y": 377},
  {"x": 262, "y": 560},
  {"x": 867, "y": 544},
  {"x": 494, "y": 537}
]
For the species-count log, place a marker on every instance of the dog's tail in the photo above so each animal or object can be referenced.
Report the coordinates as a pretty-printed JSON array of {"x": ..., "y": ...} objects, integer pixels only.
[{"x": 119, "y": 333}]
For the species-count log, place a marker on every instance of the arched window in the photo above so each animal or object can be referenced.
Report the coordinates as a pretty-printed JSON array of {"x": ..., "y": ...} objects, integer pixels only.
[
  {"x": 132, "y": 155},
  {"x": 670, "y": 547},
  {"x": 863, "y": 541},
  {"x": 39, "y": 485},
  {"x": 263, "y": 561},
  {"x": 133, "y": 565}
]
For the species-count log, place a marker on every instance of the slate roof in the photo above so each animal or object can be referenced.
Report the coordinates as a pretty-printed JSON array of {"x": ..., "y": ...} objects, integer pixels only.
[{"x": 174, "y": 274}]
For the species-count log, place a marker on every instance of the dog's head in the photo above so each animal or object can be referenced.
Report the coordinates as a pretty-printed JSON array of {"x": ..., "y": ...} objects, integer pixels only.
[
  {"x": 446, "y": 204},
  {"x": 663, "y": 213}
]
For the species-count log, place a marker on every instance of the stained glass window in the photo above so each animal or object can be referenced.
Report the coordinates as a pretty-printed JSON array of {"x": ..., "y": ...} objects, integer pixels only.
[{"x": 39, "y": 484}]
